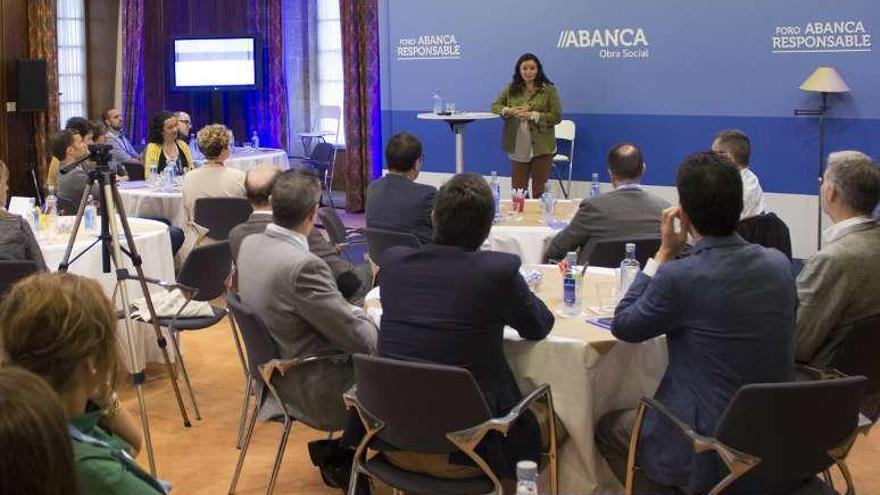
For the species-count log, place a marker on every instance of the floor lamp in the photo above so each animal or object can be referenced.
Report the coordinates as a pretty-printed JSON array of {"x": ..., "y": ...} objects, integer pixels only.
[{"x": 823, "y": 80}]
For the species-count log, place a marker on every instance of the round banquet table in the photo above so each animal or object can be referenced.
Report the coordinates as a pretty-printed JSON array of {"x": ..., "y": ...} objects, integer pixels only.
[
  {"x": 245, "y": 159},
  {"x": 145, "y": 201},
  {"x": 153, "y": 244},
  {"x": 589, "y": 371},
  {"x": 528, "y": 236}
]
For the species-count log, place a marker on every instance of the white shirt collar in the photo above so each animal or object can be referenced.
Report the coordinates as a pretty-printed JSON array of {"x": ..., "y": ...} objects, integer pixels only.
[
  {"x": 297, "y": 238},
  {"x": 262, "y": 212},
  {"x": 841, "y": 228}
]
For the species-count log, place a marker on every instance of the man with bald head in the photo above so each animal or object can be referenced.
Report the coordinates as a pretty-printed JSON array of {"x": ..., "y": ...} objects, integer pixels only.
[
  {"x": 353, "y": 282},
  {"x": 627, "y": 212}
]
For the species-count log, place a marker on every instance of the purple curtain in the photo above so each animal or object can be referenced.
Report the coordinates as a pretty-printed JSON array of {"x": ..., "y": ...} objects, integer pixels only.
[
  {"x": 267, "y": 108},
  {"x": 133, "y": 103},
  {"x": 363, "y": 133}
]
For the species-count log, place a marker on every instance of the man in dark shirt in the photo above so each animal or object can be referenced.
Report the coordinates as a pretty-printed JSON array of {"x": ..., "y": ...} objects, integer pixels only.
[
  {"x": 448, "y": 303},
  {"x": 396, "y": 202}
]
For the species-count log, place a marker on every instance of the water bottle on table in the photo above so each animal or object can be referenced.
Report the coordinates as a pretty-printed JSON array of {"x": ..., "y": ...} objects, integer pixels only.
[
  {"x": 52, "y": 211},
  {"x": 526, "y": 478},
  {"x": 438, "y": 102},
  {"x": 595, "y": 189},
  {"x": 496, "y": 194},
  {"x": 255, "y": 140},
  {"x": 629, "y": 268},
  {"x": 548, "y": 204},
  {"x": 571, "y": 286},
  {"x": 89, "y": 214}
]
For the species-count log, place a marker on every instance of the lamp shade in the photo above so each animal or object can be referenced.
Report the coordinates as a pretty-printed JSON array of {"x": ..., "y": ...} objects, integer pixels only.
[{"x": 825, "y": 80}]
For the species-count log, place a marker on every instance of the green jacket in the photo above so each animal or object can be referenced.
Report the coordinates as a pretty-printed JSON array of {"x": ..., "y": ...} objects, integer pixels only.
[
  {"x": 545, "y": 101},
  {"x": 106, "y": 471}
]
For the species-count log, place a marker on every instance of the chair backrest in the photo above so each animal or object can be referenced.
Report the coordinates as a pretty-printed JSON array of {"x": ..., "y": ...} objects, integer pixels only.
[
  {"x": 257, "y": 344},
  {"x": 329, "y": 118},
  {"x": 11, "y": 271},
  {"x": 206, "y": 269},
  {"x": 323, "y": 153},
  {"x": 768, "y": 230},
  {"x": 609, "y": 253},
  {"x": 379, "y": 240},
  {"x": 135, "y": 171},
  {"x": 565, "y": 130},
  {"x": 791, "y": 426},
  {"x": 857, "y": 355},
  {"x": 418, "y": 402},
  {"x": 220, "y": 215},
  {"x": 332, "y": 224}
]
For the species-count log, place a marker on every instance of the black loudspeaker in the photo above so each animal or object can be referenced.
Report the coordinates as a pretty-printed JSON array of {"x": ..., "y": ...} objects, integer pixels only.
[{"x": 33, "y": 90}]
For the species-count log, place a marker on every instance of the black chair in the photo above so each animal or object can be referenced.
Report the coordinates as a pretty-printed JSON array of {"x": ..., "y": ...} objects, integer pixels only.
[
  {"x": 768, "y": 230},
  {"x": 220, "y": 215},
  {"x": 609, "y": 253},
  {"x": 379, "y": 240},
  {"x": 431, "y": 409},
  {"x": 11, "y": 271},
  {"x": 265, "y": 369},
  {"x": 201, "y": 278},
  {"x": 340, "y": 235},
  {"x": 775, "y": 432},
  {"x": 321, "y": 160},
  {"x": 857, "y": 355}
]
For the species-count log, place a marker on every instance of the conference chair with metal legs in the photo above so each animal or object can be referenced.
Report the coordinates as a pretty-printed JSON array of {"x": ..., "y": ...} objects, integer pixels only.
[
  {"x": 431, "y": 409},
  {"x": 773, "y": 432},
  {"x": 265, "y": 372}
]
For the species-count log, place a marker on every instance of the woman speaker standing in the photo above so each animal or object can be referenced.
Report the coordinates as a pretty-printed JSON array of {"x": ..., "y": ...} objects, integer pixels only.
[{"x": 530, "y": 108}]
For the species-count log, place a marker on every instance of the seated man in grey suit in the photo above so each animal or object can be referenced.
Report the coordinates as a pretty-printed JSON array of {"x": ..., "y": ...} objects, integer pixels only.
[
  {"x": 839, "y": 285},
  {"x": 295, "y": 293},
  {"x": 727, "y": 311},
  {"x": 353, "y": 282},
  {"x": 122, "y": 152},
  {"x": 626, "y": 213},
  {"x": 396, "y": 202}
]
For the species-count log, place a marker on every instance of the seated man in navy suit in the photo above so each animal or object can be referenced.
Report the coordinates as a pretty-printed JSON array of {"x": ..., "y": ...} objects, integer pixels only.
[
  {"x": 728, "y": 313},
  {"x": 396, "y": 202},
  {"x": 448, "y": 303}
]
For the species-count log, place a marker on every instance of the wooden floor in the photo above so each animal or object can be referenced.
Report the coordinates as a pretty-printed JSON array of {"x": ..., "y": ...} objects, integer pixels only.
[{"x": 201, "y": 459}]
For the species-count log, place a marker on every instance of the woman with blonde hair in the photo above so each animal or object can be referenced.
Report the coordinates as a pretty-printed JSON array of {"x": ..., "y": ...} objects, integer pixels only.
[
  {"x": 17, "y": 240},
  {"x": 212, "y": 180},
  {"x": 61, "y": 327},
  {"x": 35, "y": 453}
]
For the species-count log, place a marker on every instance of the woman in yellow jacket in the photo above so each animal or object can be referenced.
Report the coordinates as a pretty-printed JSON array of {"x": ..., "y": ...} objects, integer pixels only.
[
  {"x": 530, "y": 108},
  {"x": 164, "y": 147}
]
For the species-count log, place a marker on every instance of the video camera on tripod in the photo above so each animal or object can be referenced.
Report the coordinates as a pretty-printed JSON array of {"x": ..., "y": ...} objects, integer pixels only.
[{"x": 98, "y": 153}]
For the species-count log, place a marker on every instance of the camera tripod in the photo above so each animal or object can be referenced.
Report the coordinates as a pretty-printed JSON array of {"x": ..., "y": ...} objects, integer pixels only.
[{"x": 109, "y": 199}]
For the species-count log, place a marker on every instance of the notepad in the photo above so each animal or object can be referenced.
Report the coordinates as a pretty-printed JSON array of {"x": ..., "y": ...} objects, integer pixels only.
[{"x": 601, "y": 321}]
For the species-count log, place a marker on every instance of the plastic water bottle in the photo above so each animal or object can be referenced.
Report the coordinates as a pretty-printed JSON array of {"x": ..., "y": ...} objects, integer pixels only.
[
  {"x": 255, "y": 140},
  {"x": 496, "y": 194},
  {"x": 194, "y": 150},
  {"x": 571, "y": 287},
  {"x": 52, "y": 210},
  {"x": 169, "y": 177},
  {"x": 595, "y": 190},
  {"x": 548, "y": 203},
  {"x": 526, "y": 478},
  {"x": 629, "y": 268},
  {"x": 438, "y": 102},
  {"x": 89, "y": 214}
]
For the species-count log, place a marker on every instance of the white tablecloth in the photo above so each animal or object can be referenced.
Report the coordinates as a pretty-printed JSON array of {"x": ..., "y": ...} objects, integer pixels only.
[
  {"x": 530, "y": 237},
  {"x": 142, "y": 201},
  {"x": 245, "y": 159},
  {"x": 154, "y": 246},
  {"x": 590, "y": 374}
]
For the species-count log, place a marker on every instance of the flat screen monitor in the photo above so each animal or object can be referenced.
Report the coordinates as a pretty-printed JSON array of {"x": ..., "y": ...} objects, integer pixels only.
[{"x": 215, "y": 64}]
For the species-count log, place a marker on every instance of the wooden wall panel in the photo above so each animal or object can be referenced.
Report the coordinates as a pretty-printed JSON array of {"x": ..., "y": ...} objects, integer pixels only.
[
  {"x": 15, "y": 127},
  {"x": 102, "y": 23}
]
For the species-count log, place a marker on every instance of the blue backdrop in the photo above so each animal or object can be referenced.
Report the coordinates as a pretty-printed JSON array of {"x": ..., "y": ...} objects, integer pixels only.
[{"x": 665, "y": 75}]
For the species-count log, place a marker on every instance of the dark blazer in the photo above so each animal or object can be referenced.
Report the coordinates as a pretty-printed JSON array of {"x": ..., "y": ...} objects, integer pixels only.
[
  {"x": 728, "y": 312},
  {"x": 396, "y": 203},
  {"x": 767, "y": 230},
  {"x": 17, "y": 241},
  {"x": 444, "y": 305},
  {"x": 616, "y": 215}
]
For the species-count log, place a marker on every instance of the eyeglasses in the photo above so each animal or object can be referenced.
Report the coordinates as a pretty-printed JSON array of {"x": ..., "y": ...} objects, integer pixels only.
[{"x": 187, "y": 122}]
